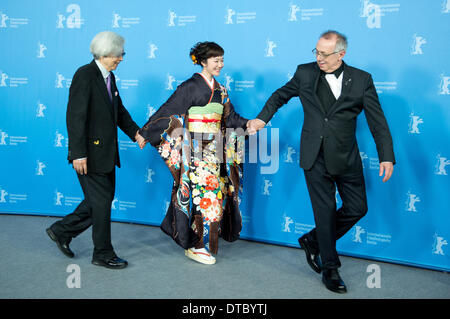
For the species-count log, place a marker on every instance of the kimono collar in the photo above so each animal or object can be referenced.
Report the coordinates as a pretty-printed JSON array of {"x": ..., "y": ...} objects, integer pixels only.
[{"x": 210, "y": 83}]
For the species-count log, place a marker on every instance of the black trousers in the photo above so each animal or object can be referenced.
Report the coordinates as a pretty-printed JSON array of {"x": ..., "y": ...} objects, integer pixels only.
[
  {"x": 95, "y": 210},
  {"x": 332, "y": 224}
]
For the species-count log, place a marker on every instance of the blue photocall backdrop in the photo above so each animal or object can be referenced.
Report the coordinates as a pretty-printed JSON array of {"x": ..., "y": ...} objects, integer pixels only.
[{"x": 402, "y": 43}]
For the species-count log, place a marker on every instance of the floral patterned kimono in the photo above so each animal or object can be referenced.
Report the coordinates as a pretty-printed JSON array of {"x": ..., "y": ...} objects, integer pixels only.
[{"x": 190, "y": 133}]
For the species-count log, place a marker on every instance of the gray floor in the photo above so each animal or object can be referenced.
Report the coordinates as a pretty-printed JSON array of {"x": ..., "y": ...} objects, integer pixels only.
[{"x": 31, "y": 266}]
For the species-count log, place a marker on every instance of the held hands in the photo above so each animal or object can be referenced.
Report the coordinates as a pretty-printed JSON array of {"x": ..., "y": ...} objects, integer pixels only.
[
  {"x": 387, "y": 168},
  {"x": 254, "y": 126},
  {"x": 140, "y": 140}
]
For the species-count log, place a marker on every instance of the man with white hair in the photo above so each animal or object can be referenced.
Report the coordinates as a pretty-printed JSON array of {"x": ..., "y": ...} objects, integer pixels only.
[{"x": 94, "y": 112}]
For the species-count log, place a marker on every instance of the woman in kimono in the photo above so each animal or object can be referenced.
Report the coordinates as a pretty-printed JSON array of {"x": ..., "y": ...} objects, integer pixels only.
[{"x": 201, "y": 139}]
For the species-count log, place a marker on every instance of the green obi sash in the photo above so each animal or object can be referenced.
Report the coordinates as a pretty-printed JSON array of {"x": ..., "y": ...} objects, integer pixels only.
[{"x": 209, "y": 108}]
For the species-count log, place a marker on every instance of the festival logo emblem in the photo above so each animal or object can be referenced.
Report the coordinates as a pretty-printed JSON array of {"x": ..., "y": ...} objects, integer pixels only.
[
  {"x": 287, "y": 222},
  {"x": 3, "y": 78},
  {"x": 11, "y": 22},
  {"x": 234, "y": 17},
  {"x": 289, "y": 153},
  {"x": 40, "y": 50},
  {"x": 267, "y": 184},
  {"x": 418, "y": 41},
  {"x": 442, "y": 162},
  {"x": 357, "y": 232},
  {"x": 411, "y": 201},
  {"x": 293, "y": 9},
  {"x": 439, "y": 242},
  {"x": 39, "y": 168},
  {"x": 61, "y": 81},
  {"x": 3, "y": 194},
  {"x": 372, "y": 13},
  {"x": 269, "y": 48},
  {"x": 58, "y": 198},
  {"x": 228, "y": 81},
  {"x": 169, "y": 83},
  {"x": 3, "y": 19},
  {"x": 175, "y": 20},
  {"x": 414, "y": 123},
  {"x": 151, "y": 50},
  {"x": 40, "y": 109},
  {"x": 73, "y": 20},
  {"x": 58, "y": 139},
  {"x": 3, "y": 136},
  {"x": 443, "y": 86},
  {"x": 125, "y": 22},
  {"x": 149, "y": 175},
  {"x": 229, "y": 15}
]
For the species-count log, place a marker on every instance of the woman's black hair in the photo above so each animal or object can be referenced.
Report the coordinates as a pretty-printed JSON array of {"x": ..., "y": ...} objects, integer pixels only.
[{"x": 202, "y": 51}]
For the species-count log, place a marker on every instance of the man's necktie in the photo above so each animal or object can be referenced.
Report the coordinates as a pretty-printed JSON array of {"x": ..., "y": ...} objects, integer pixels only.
[{"x": 108, "y": 86}]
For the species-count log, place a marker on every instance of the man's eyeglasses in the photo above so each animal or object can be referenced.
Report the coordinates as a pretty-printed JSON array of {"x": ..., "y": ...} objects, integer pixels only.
[
  {"x": 120, "y": 55},
  {"x": 323, "y": 55}
]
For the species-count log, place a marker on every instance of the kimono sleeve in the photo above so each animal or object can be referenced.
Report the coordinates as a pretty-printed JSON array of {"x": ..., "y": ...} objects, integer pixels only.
[
  {"x": 233, "y": 119},
  {"x": 177, "y": 104}
]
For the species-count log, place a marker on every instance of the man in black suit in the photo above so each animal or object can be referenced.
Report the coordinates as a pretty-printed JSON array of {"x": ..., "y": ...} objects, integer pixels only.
[
  {"x": 332, "y": 94},
  {"x": 94, "y": 112}
]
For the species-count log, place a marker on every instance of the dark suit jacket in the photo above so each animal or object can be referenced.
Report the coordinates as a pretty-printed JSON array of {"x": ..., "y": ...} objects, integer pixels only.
[
  {"x": 335, "y": 128},
  {"x": 92, "y": 120}
]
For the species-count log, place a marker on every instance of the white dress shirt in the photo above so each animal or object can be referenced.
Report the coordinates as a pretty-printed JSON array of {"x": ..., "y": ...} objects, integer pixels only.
[{"x": 335, "y": 83}]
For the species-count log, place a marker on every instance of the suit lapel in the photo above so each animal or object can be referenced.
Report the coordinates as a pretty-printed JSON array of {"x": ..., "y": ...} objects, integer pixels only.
[
  {"x": 346, "y": 86},
  {"x": 316, "y": 83},
  {"x": 100, "y": 82},
  {"x": 115, "y": 96},
  {"x": 346, "y": 81}
]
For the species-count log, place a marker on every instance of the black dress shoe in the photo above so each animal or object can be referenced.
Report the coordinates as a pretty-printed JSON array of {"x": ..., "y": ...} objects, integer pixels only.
[
  {"x": 312, "y": 255},
  {"x": 113, "y": 263},
  {"x": 63, "y": 246},
  {"x": 332, "y": 280}
]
